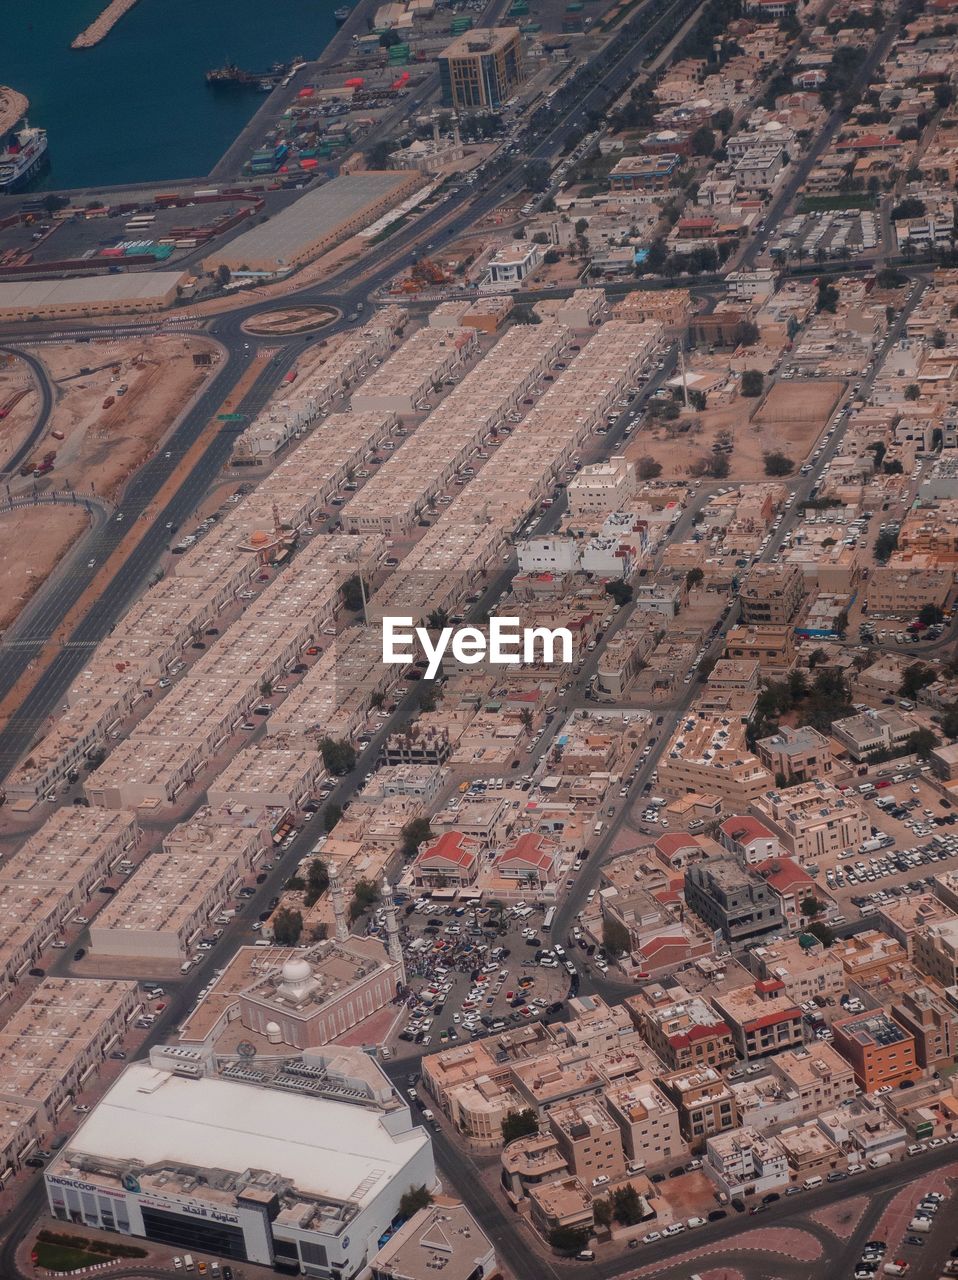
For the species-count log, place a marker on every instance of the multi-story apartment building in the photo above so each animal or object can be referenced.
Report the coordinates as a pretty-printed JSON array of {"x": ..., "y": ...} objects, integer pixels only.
[
  {"x": 684, "y": 1032},
  {"x": 705, "y": 1103},
  {"x": 933, "y": 1021},
  {"x": 589, "y": 1139},
  {"x": 804, "y": 968},
  {"x": 763, "y": 1018},
  {"x": 821, "y": 1078},
  {"x": 744, "y": 1162},
  {"x": 813, "y": 819},
  {"x": 772, "y": 594},
  {"x": 936, "y": 952},
  {"x": 707, "y": 755},
  {"x": 729, "y": 898},
  {"x": 880, "y": 1050},
  {"x": 648, "y": 1120},
  {"x": 772, "y": 647},
  {"x": 797, "y": 755},
  {"x": 884, "y": 729}
]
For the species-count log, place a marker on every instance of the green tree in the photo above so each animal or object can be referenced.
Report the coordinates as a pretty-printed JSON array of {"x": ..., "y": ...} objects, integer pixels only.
[
  {"x": 411, "y": 1201},
  {"x": 414, "y": 835},
  {"x": 365, "y": 894},
  {"x": 619, "y": 590},
  {"x": 353, "y": 593},
  {"x": 818, "y": 929},
  {"x": 885, "y": 544},
  {"x": 914, "y": 678},
  {"x": 777, "y": 464},
  {"x": 626, "y": 1205},
  {"x": 811, "y": 906},
  {"x": 929, "y": 615},
  {"x": 694, "y": 577},
  {"x": 223, "y": 275},
  {"x": 893, "y": 468},
  {"x": 519, "y": 1124},
  {"x": 912, "y": 391},
  {"x": 827, "y": 299},
  {"x": 569, "y": 1239},
  {"x": 921, "y": 743},
  {"x": 648, "y": 468},
  {"x": 287, "y": 927},
  {"x": 317, "y": 881},
  {"x": 718, "y": 466},
  {"x": 437, "y": 619},
  {"x": 602, "y": 1213},
  {"x": 949, "y": 720},
  {"x": 339, "y": 757},
  {"x": 615, "y": 937},
  {"x": 753, "y": 383},
  {"x": 331, "y": 815},
  {"x": 703, "y": 141}
]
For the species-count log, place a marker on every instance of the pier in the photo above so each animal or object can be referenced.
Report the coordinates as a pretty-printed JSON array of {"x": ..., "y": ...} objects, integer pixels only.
[
  {"x": 13, "y": 107},
  {"x": 101, "y": 27}
]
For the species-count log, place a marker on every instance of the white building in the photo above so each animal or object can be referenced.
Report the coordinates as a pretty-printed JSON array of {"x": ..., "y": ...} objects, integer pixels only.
[
  {"x": 514, "y": 262},
  {"x": 281, "y": 1160},
  {"x": 743, "y": 1162}
]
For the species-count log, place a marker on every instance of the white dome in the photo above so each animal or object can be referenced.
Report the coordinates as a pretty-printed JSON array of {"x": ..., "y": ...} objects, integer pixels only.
[
  {"x": 273, "y": 1029},
  {"x": 296, "y": 972}
]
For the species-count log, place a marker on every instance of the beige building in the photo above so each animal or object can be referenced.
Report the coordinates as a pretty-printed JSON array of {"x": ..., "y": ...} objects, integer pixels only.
[
  {"x": 708, "y": 755},
  {"x": 772, "y": 647},
  {"x": 813, "y": 820},
  {"x": 797, "y": 754},
  {"x": 763, "y": 1018},
  {"x": 58, "y": 1038},
  {"x": 772, "y": 594},
  {"x": 481, "y": 68},
  {"x": 935, "y": 952},
  {"x": 648, "y": 1120},
  {"x": 804, "y": 967},
  {"x": 704, "y": 1102},
  {"x": 821, "y": 1077},
  {"x": 589, "y": 1139}
]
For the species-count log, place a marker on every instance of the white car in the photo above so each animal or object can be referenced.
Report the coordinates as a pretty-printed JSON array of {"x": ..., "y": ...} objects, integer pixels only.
[{"x": 651, "y": 1237}]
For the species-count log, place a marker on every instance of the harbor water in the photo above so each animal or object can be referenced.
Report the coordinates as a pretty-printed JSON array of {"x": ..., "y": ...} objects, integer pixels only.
[{"x": 136, "y": 107}]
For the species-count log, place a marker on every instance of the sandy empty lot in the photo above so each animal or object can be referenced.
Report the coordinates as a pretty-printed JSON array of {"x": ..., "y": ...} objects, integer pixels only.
[
  {"x": 102, "y": 446},
  {"x": 789, "y": 419},
  {"x": 32, "y": 542}
]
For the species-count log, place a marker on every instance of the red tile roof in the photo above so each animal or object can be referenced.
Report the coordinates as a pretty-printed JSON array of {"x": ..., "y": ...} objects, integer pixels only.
[
  {"x": 745, "y": 827},
  {"x": 451, "y": 847}
]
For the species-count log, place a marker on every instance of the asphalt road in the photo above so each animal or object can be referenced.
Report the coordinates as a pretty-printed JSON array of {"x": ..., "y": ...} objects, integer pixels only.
[{"x": 45, "y": 387}]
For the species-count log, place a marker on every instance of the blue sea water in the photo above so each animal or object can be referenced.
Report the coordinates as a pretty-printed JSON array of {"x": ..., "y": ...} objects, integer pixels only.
[{"x": 136, "y": 106}]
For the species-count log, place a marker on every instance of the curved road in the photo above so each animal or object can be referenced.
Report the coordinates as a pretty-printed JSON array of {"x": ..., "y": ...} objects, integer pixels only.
[{"x": 45, "y": 387}]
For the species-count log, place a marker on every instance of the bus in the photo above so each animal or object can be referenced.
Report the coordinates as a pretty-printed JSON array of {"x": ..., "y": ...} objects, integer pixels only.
[{"x": 550, "y": 915}]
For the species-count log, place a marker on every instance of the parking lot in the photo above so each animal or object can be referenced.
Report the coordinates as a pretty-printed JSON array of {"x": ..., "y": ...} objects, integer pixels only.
[
  {"x": 473, "y": 970},
  {"x": 915, "y": 836}
]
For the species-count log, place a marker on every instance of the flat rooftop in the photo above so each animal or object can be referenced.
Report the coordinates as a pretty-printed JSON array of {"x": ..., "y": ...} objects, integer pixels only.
[
  {"x": 314, "y": 216},
  {"x": 337, "y": 1151},
  {"x": 131, "y": 286}
]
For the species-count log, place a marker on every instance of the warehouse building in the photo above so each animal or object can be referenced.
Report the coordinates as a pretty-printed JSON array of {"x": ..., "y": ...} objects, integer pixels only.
[
  {"x": 314, "y": 223},
  {"x": 295, "y": 1162},
  {"x": 88, "y": 296}
]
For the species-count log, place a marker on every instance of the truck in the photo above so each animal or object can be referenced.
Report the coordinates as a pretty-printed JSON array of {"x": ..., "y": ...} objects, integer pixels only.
[
  {"x": 43, "y": 469},
  {"x": 870, "y": 845},
  {"x": 877, "y": 1162}
]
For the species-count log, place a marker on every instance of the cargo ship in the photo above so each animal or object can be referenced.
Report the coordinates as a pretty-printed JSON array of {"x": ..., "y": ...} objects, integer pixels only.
[
  {"x": 23, "y": 155},
  {"x": 230, "y": 76}
]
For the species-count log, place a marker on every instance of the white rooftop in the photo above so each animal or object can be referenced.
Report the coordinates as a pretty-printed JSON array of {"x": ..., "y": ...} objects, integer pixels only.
[{"x": 330, "y": 1149}]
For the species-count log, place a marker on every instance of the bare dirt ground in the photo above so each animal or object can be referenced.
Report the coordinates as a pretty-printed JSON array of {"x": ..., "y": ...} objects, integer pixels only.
[
  {"x": 103, "y": 446},
  {"x": 15, "y": 377},
  {"x": 291, "y": 321},
  {"x": 775, "y": 426},
  {"x": 32, "y": 542}
]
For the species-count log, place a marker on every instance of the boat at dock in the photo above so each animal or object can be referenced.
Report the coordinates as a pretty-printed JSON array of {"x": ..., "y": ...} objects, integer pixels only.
[
  {"x": 23, "y": 153},
  {"x": 230, "y": 76}
]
